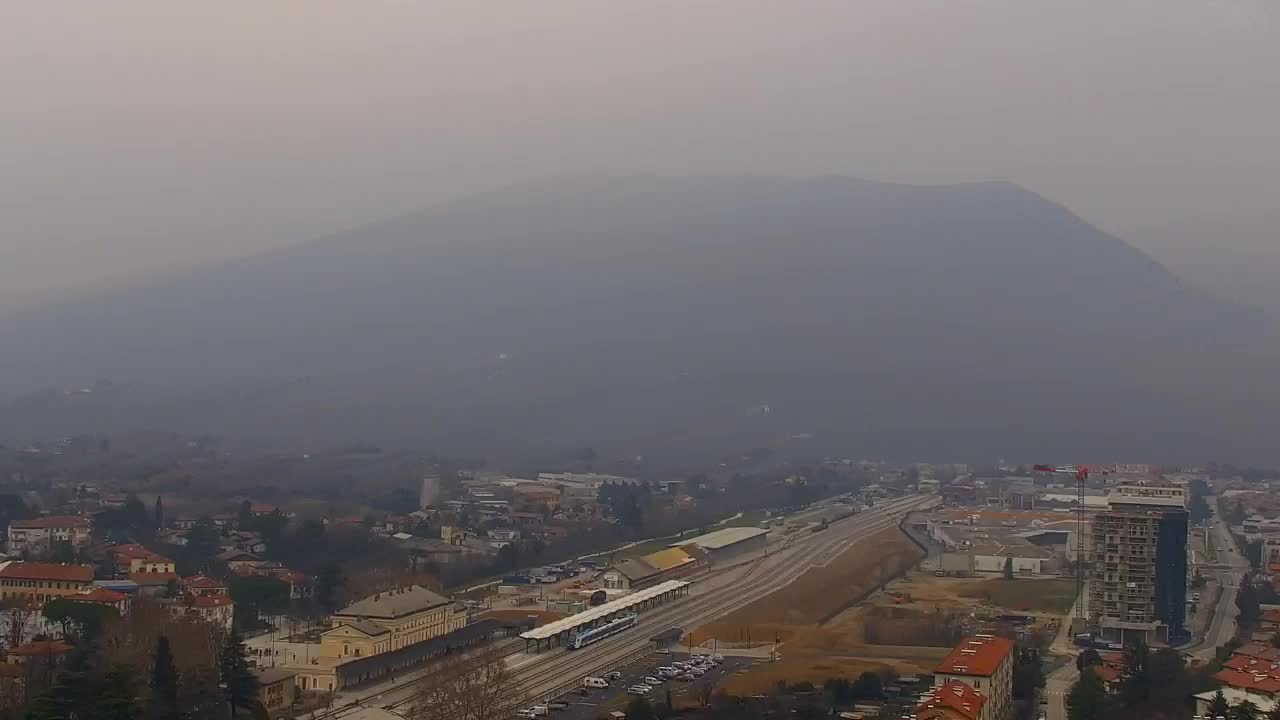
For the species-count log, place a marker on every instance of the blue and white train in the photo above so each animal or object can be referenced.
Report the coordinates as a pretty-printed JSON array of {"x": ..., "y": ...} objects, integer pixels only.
[{"x": 596, "y": 634}]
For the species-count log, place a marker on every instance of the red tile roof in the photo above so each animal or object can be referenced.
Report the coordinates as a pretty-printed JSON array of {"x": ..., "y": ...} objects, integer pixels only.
[
  {"x": 978, "y": 656},
  {"x": 1253, "y": 666},
  {"x": 99, "y": 595},
  {"x": 956, "y": 696},
  {"x": 1248, "y": 682},
  {"x": 210, "y": 601},
  {"x": 49, "y": 522},
  {"x": 1108, "y": 674},
  {"x": 1112, "y": 658},
  {"x": 132, "y": 550},
  {"x": 1259, "y": 651},
  {"x": 47, "y": 571},
  {"x": 203, "y": 582},
  {"x": 1271, "y": 615},
  {"x": 42, "y": 647}
]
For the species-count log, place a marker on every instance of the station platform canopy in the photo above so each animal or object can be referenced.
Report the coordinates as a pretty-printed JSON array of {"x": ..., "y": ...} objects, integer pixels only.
[{"x": 613, "y": 607}]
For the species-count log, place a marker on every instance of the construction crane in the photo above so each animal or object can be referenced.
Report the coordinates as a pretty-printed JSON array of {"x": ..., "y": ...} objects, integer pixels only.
[{"x": 1081, "y": 473}]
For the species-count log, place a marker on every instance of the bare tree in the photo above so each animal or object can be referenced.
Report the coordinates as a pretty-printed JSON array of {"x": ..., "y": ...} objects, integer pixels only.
[
  {"x": 474, "y": 686},
  {"x": 19, "y": 612},
  {"x": 706, "y": 691}
]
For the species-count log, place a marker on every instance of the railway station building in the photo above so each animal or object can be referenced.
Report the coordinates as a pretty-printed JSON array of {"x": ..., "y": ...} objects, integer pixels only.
[{"x": 560, "y": 632}]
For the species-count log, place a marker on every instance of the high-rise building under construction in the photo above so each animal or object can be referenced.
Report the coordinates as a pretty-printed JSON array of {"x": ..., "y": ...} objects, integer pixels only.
[{"x": 1137, "y": 578}]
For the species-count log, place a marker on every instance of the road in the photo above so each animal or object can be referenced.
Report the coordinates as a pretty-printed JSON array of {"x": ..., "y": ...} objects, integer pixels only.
[
  {"x": 552, "y": 673},
  {"x": 1223, "y": 625}
]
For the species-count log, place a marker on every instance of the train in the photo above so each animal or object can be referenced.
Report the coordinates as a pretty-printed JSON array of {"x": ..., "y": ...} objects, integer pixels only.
[{"x": 585, "y": 637}]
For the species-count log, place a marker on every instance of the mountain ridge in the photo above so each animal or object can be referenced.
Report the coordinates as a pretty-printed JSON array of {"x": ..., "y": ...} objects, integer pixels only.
[{"x": 552, "y": 296}]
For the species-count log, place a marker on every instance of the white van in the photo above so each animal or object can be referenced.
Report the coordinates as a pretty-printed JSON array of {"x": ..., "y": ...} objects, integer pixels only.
[
  {"x": 539, "y": 710},
  {"x": 595, "y": 682}
]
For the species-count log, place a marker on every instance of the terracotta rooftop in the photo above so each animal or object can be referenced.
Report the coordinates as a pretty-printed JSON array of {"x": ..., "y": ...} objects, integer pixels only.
[
  {"x": 46, "y": 571},
  {"x": 980, "y": 655},
  {"x": 131, "y": 550},
  {"x": 41, "y": 648},
  {"x": 203, "y": 582},
  {"x": 955, "y": 696},
  {"x": 1108, "y": 674},
  {"x": 51, "y": 521},
  {"x": 98, "y": 595},
  {"x": 210, "y": 601},
  {"x": 1249, "y": 683},
  {"x": 1259, "y": 651},
  {"x": 1253, "y": 666}
]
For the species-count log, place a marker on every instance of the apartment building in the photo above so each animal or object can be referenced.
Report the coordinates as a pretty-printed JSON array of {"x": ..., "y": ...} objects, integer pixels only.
[
  {"x": 983, "y": 663},
  {"x": 37, "y": 535},
  {"x": 41, "y": 582},
  {"x": 1137, "y": 577}
]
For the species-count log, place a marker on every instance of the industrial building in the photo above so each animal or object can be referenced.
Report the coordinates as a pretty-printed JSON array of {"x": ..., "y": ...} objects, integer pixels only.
[
  {"x": 728, "y": 543},
  {"x": 1137, "y": 578},
  {"x": 1036, "y": 543}
]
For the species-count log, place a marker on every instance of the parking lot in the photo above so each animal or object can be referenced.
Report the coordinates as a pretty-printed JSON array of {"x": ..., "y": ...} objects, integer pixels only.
[{"x": 598, "y": 703}]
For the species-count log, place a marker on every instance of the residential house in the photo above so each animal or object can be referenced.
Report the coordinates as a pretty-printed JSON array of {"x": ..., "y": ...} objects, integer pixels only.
[
  {"x": 217, "y": 610},
  {"x": 275, "y": 689},
  {"x": 40, "y": 582},
  {"x": 45, "y": 652},
  {"x": 1234, "y": 697},
  {"x": 203, "y": 585},
  {"x": 172, "y": 537},
  {"x": 984, "y": 663},
  {"x": 133, "y": 558},
  {"x": 238, "y": 558},
  {"x": 38, "y": 535},
  {"x": 102, "y": 596},
  {"x": 953, "y": 700},
  {"x": 155, "y": 584}
]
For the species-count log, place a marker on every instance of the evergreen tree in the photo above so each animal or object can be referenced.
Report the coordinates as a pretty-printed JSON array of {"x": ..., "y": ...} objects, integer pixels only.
[
  {"x": 239, "y": 684},
  {"x": 328, "y": 581},
  {"x": 1246, "y": 710},
  {"x": 1088, "y": 698},
  {"x": 159, "y": 513},
  {"x": 164, "y": 682},
  {"x": 119, "y": 698},
  {"x": 1137, "y": 683},
  {"x": 1219, "y": 704},
  {"x": 1008, "y": 568}
]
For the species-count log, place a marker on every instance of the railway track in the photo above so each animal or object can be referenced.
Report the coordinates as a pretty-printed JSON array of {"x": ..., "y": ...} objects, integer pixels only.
[
  {"x": 765, "y": 575},
  {"x": 545, "y": 678}
]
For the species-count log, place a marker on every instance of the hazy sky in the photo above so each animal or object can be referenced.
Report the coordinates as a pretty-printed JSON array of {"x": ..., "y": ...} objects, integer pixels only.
[{"x": 138, "y": 134}]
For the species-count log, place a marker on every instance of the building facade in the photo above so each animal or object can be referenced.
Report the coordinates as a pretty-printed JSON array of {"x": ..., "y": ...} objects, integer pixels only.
[
  {"x": 1138, "y": 573},
  {"x": 408, "y": 615},
  {"x": 37, "y": 535},
  {"x": 984, "y": 663},
  {"x": 41, "y": 582}
]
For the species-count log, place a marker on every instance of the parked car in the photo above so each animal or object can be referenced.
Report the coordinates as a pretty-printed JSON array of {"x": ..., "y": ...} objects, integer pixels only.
[
  {"x": 524, "y": 714},
  {"x": 614, "y": 675},
  {"x": 638, "y": 690},
  {"x": 558, "y": 705},
  {"x": 687, "y": 677},
  {"x": 653, "y": 681}
]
